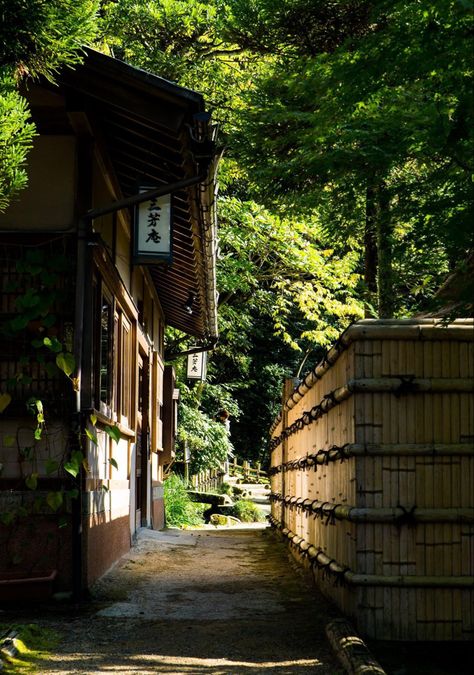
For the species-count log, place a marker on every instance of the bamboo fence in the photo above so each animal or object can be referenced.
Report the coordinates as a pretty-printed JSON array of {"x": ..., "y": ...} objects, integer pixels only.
[{"x": 372, "y": 477}]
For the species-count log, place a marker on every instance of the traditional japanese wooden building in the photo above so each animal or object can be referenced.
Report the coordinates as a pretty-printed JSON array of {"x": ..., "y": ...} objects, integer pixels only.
[{"x": 82, "y": 445}]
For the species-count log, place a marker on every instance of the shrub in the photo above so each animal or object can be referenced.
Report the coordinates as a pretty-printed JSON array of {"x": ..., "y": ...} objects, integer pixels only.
[
  {"x": 247, "y": 512},
  {"x": 179, "y": 509}
]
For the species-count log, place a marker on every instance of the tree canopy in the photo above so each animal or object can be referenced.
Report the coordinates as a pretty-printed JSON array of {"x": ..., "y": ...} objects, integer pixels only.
[
  {"x": 346, "y": 184},
  {"x": 37, "y": 38}
]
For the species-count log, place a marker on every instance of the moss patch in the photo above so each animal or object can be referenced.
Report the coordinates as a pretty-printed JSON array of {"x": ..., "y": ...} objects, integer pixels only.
[{"x": 33, "y": 644}]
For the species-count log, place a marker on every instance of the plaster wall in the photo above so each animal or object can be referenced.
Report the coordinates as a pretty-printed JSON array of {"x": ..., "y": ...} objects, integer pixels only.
[{"x": 47, "y": 203}]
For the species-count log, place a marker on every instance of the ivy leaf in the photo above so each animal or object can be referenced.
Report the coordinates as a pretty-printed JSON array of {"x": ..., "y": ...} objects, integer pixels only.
[
  {"x": 77, "y": 456},
  {"x": 91, "y": 436},
  {"x": 66, "y": 362},
  {"x": 72, "y": 494},
  {"x": 5, "y": 400},
  {"x": 38, "y": 433},
  {"x": 51, "y": 465},
  {"x": 113, "y": 432},
  {"x": 49, "y": 320},
  {"x": 113, "y": 462},
  {"x": 72, "y": 467},
  {"x": 93, "y": 419},
  {"x": 7, "y": 517},
  {"x": 53, "y": 344},
  {"x": 51, "y": 369},
  {"x": 25, "y": 379},
  {"x": 54, "y": 500},
  {"x": 20, "y": 322},
  {"x": 31, "y": 481}
]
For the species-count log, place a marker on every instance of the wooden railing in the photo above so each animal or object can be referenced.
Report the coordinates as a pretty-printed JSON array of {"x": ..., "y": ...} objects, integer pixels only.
[
  {"x": 209, "y": 480},
  {"x": 212, "y": 479},
  {"x": 246, "y": 471}
]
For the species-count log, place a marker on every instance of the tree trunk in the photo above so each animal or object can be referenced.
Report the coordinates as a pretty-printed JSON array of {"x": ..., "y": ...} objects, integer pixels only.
[
  {"x": 378, "y": 275},
  {"x": 370, "y": 248},
  {"x": 384, "y": 252}
]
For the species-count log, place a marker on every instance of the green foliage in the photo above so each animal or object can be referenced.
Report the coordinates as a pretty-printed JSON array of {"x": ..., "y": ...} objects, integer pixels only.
[
  {"x": 374, "y": 133},
  {"x": 34, "y": 644},
  {"x": 38, "y": 37},
  {"x": 247, "y": 512},
  {"x": 278, "y": 266},
  {"x": 184, "y": 41},
  {"x": 207, "y": 440},
  {"x": 16, "y": 136},
  {"x": 180, "y": 511}
]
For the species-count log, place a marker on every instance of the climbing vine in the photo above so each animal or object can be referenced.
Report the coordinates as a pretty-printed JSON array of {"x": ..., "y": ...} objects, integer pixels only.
[{"x": 38, "y": 336}]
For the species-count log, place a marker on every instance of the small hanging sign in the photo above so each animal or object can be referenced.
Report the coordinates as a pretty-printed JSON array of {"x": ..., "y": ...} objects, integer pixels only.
[
  {"x": 197, "y": 366},
  {"x": 152, "y": 241}
]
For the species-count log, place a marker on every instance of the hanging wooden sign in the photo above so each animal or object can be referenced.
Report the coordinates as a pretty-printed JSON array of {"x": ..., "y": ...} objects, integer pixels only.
[
  {"x": 152, "y": 242},
  {"x": 197, "y": 366}
]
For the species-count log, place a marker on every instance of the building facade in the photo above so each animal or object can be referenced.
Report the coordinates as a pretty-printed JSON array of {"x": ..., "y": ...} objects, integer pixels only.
[{"x": 88, "y": 416}]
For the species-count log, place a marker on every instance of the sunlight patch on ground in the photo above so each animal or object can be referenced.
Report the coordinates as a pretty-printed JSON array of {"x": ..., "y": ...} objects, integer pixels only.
[{"x": 136, "y": 664}]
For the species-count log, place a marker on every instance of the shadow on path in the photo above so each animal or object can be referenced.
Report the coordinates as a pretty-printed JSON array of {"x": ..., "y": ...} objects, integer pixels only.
[{"x": 209, "y": 602}]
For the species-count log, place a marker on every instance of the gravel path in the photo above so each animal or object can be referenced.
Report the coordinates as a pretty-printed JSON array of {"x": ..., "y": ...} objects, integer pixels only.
[{"x": 207, "y": 602}]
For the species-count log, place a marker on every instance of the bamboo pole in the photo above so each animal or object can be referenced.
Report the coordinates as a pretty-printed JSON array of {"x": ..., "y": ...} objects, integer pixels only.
[
  {"x": 418, "y": 329},
  {"x": 331, "y": 566},
  {"x": 392, "y": 515}
]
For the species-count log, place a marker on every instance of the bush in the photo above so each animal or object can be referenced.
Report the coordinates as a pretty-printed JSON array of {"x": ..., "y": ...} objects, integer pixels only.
[
  {"x": 179, "y": 509},
  {"x": 247, "y": 512}
]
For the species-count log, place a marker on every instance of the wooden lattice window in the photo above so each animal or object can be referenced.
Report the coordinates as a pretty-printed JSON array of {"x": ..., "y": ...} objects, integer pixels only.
[{"x": 36, "y": 302}]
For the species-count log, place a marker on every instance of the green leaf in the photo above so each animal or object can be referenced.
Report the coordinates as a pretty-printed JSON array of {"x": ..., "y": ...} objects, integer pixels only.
[
  {"x": 25, "y": 379},
  {"x": 77, "y": 456},
  {"x": 7, "y": 517},
  {"x": 49, "y": 320},
  {"x": 105, "y": 488},
  {"x": 5, "y": 400},
  {"x": 92, "y": 437},
  {"x": 51, "y": 369},
  {"x": 54, "y": 500},
  {"x": 20, "y": 322},
  {"x": 31, "y": 481},
  {"x": 63, "y": 521},
  {"x": 8, "y": 440},
  {"x": 73, "y": 494},
  {"x": 38, "y": 433},
  {"x": 72, "y": 468},
  {"x": 113, "y": 432},
  {"x": 66, "y": 362},
  {"x": 113, "y": 462},
  {"x": 51, "y": 465},
  {"x": 53, "y": 344},
  {"x": 93, "y": 419}
]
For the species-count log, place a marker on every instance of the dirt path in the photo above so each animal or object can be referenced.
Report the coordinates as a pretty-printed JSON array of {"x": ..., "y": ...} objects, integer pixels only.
[{"x": 198, "y": 602}]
